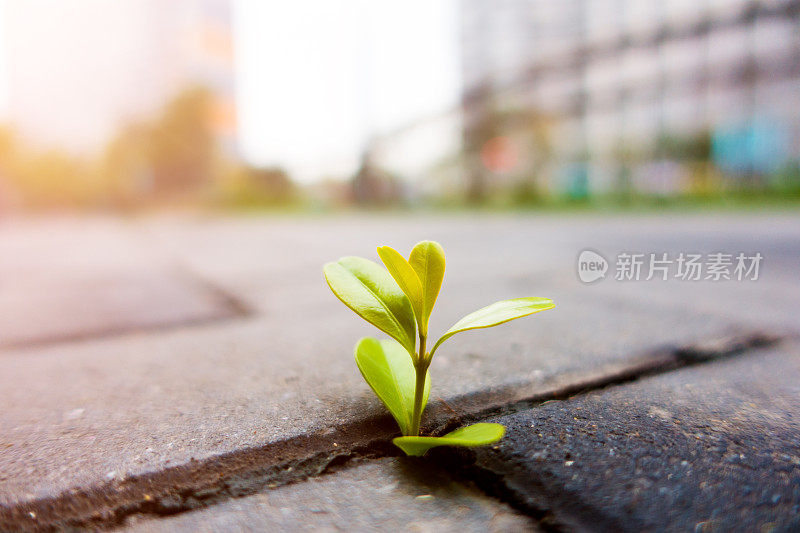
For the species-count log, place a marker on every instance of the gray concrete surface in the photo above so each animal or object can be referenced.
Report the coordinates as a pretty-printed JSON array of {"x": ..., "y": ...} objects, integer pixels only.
[
  {"x": 381, "y": 495},
  {"x": 707, "y": 448},
  {"x": 63, "y": 280},
  {"x": 95, "y": 412}
]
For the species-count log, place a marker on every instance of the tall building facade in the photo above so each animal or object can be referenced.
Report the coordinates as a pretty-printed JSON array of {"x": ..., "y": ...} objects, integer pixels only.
[
  {"x": 619, "y": 90},
  {"x": 78, "y": 71}
]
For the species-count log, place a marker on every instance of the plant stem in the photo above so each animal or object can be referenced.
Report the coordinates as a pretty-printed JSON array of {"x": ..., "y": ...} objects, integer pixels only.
[{"x": 421, "y": 368}]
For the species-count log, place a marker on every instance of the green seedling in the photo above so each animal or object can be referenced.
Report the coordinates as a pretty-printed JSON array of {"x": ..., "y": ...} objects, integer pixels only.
[{"x": 398, "y": 300}]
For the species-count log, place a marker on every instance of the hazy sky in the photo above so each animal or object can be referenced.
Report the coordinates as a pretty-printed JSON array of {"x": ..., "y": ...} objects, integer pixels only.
[{"x": 315, "y": 77}]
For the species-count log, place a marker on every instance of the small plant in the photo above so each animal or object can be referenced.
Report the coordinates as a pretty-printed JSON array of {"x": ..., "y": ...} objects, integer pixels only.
[{"x": 399, "y": 303}]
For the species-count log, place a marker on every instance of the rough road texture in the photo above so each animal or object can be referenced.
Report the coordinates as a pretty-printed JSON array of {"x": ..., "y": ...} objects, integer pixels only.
[
  {"x": 69, "y": 280},
  {"x": 230, "y": 403},
  {"x": 382, "y": 495},
  {"x": 709, "y": 448}
]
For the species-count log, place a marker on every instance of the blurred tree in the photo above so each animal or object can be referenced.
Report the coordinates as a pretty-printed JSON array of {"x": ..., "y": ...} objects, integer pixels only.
[
  {"x": 273, "y": 184},
  {"x": 258, "y": 187},
  {"x": 9, "y": 197},
  {"x": 128, "y": 166},
  {"x": 696, "y": 147},
  {"x": 373, "y": 186},
  {"x": 49, "y": 179},
  {"x": 786, "y": 180},
  {"x": 626, "y": 158},
  {"x": 54, "y": 179},
  {"x": 693, "y": 152},
  {"x": 174, "y": 156},
  {"x": 182, "y": 149}
]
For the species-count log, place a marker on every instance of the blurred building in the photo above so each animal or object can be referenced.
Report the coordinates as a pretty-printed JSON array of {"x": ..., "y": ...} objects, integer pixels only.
[
  {"x": 580, "y": 96},
  {"x": 78, "y": 71}
]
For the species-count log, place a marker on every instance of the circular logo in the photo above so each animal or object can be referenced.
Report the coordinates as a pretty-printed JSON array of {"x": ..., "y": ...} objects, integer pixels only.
[{"x": 591, "y": 266}]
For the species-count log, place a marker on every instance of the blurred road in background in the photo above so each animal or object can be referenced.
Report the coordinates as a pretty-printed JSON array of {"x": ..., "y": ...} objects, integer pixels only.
[{"x": 207, "y": 358}]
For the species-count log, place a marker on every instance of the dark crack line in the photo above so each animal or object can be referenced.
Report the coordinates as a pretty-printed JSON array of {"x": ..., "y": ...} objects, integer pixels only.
[
  {"x": 227, "y": 307},
  {"x": 660, "y": 362},
  {"x": 198, "y": 484},
  {"x": 541, "y": 504}
]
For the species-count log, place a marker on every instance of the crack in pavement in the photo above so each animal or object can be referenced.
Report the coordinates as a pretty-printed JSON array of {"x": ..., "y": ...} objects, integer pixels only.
[
  {"x": 552, "y": 509},
  {"x": 226, "y": 307},
  {"x": 198, "y": 484}
]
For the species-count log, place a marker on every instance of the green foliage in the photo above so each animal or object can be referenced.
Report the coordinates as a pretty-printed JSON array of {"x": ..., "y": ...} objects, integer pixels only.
[
  {"x": 399, "y": 303},
  {"x": 474, "y": 435},
  {"x": 427, "y": 259},
  {"x": 389, "y": 371},
  {"x": 496, "y": 314},
  {"x": 407, "y": 278},
  {"x": 369, "y": 290}
]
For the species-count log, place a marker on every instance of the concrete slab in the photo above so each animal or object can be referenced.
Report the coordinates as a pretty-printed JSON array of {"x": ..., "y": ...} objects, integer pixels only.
[
  {"x": 266, "y": 259},
  {"x": 108, "y": 410},
  {"x": 381, "y": 495},
  {"x": 69, "y": 280},
  {"x": 708, "y": 448},
  {"x": 101, "y": 414}
]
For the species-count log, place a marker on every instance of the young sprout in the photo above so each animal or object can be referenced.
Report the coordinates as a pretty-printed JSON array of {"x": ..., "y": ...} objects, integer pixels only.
[{"x": 399, "y": 301}]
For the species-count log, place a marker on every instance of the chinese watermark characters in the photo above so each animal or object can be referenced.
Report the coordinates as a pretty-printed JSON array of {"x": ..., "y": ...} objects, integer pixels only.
[{"x": 683, "y": 266}]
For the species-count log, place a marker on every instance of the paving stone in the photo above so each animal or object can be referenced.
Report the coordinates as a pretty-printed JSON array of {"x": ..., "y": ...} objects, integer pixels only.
[
  {"x": 382, "y": 495},
  {"x": 261, "y": 259},
  {"x": 770, "y": 302},
  {"x": 75, "y": 279},
  {"x": 117, "y": 408},
  {"x": 98, "y": 412},
  {"x": 707, "y": 448}
]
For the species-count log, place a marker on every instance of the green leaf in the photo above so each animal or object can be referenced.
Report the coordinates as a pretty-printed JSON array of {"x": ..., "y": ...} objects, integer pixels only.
[
  {"x": 370, "y": 291},
  {"x": 496, "y": 314},
  {"x": 427, "y": 259},
  {"x": 388, "y": 370},
  {"x": 405, "y": 276},
  {"x": 474, "y": 435}
]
